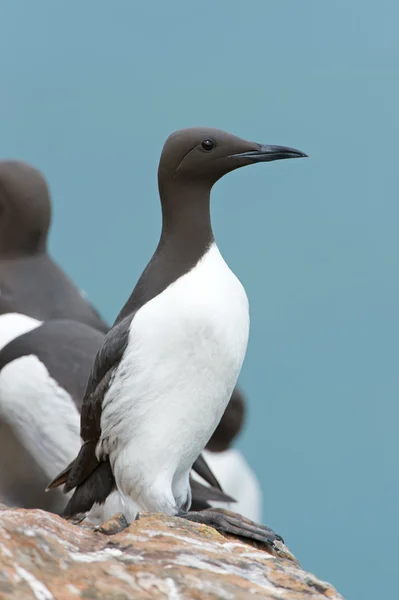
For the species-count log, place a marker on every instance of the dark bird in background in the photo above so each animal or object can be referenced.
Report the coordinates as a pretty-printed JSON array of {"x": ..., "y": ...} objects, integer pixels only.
[
  {"x": 166, "y": 370},
  {"x": 231, "y": 424},
  {"x": 30, "y": 281}
]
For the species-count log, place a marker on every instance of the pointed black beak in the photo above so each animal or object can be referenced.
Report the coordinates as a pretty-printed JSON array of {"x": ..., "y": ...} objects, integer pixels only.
[{"x": 269, "y": 153}]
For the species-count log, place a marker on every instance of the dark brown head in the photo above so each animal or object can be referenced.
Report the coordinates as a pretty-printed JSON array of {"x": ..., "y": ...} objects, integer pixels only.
[
  {"x": 230, "y": 424},
  {"x": 204, "y": 155},
  {"x": 192, "y": 160},
  {"x": 25, "y": 209}
]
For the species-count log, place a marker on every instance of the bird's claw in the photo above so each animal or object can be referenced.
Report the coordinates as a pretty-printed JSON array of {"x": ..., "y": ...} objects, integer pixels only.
[{"x": 232, "y": 523}]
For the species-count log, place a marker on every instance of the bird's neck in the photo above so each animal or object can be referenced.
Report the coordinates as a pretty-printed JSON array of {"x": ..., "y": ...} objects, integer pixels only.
[
  {"x": 186, "y": 219},
  {"x": 185, "y": 237}
]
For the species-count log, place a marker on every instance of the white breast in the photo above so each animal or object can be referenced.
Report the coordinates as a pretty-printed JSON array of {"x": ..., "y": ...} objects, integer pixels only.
[{"x": 185, "y": 352}]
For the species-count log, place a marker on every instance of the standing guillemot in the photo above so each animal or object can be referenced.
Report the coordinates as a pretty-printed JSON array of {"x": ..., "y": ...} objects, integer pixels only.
[
  {"x": 167, "y": 368},
  {"x": 43, "y": 377},
  {"x": 30, "y": 282}
]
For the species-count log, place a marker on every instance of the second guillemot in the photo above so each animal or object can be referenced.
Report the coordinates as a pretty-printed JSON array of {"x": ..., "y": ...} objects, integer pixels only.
[
  {"x": 166, "y": 370},
  {"x": 30, "y": 281}
]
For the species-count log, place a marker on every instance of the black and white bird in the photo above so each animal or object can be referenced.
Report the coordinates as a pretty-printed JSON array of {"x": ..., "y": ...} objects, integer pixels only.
[
  {"x": 44, "y": 369},
  {"x": 166, "y": 370},
  {"x": 30, "y": 281}
]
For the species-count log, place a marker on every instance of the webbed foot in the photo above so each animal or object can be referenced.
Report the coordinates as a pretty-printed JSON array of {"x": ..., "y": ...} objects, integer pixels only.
[{"x": 232, "y": 523}]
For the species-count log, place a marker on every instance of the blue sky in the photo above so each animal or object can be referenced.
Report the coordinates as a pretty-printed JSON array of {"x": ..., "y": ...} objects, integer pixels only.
[{"x": 90, "y": 91}]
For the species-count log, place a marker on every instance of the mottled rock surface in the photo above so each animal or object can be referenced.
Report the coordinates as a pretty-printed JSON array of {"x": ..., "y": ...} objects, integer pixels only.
[{"x": 43, "y": 557}]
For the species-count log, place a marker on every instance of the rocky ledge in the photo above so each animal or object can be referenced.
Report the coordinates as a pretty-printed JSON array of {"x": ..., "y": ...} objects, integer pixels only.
[{"x": 42, "y": 557}]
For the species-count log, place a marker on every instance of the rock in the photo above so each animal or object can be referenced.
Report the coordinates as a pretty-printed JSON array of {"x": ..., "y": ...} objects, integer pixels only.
[{"x": 43, "y": 557}]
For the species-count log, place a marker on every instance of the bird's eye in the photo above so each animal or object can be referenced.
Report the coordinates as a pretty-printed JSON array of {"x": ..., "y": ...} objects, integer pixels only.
[{"x": 208, "y": 145}]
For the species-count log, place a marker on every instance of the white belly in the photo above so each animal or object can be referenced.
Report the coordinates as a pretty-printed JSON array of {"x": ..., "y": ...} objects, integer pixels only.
[{"x": 185, "y": 352}]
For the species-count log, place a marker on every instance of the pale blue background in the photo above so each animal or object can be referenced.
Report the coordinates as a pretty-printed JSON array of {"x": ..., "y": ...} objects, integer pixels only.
[{"x": 88, "y": 93}]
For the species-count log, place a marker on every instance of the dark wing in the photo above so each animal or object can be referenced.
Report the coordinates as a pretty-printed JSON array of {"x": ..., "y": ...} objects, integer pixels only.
[
  {"x": 105, "y": 363},
  {"x": 86, "y": 469}
]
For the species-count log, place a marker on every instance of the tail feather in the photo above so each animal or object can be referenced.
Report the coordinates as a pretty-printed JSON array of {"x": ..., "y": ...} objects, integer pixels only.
[
  {"x": 204, "y": 493},
  {"x": 202, "y": 468},
  {"x": 78, "y": 470},
  {"x": 61, "y": 478},
  {"x": 94, "y": 490},
  {"x": 83, "y": 465}
]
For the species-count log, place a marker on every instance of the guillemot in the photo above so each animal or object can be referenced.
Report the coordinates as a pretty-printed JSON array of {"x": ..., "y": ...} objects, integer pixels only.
[
  {"x": 166, "y": 370},
  {"x": 30, "y": 281},
  {"x": 44, "y": 369}
]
